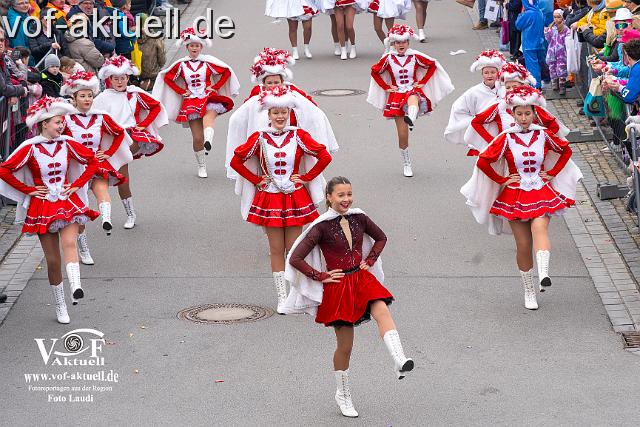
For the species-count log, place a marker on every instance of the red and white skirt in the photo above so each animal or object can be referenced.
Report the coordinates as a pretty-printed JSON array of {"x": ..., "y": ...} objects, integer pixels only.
[
  {"x": 196, "y": 108},
  {"x": 397, "y": 103},
  {"x": 309, "y": 11},
  {"x": 147, "y": 143},
  {"x": 106, "y": 171},
  {"x": 345, "y": 3},
  {"x": 282, "y": 210},
  {"x": 374, "y": 6},
  {"x": 349, "y": 302},
  {"x": 515, "y": 204},
  {"x": 45, "y": 216}
]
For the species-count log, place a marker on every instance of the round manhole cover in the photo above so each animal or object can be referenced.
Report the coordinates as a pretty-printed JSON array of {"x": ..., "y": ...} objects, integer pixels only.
[
  {"x": 225, "y": 314},
  {"x": 337, "y": 92}
]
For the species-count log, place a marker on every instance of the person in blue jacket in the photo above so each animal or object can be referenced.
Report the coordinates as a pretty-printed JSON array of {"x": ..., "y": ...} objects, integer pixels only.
[
  {"x": 631, "y": 91},
  {"x": 531, "y": 24},
  {"x": 16, "y": 17}
]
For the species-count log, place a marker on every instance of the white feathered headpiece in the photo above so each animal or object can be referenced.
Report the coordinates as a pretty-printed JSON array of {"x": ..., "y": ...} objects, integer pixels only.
[{"x": 46, "y": 108}]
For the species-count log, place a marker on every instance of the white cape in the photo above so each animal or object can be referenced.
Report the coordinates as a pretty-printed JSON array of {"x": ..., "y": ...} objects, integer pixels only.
[
  {"x": 119, "y": 108},
  {"x": 474, "y": 100},
  {"x": 247, "y": 191},
  {"x": 438, "y": 86},
  {"x": 173, "y": 102},
  {"x": 75, "y": 169},
  {"x": 481, "y": 191},
  {"x": 305, "y": 294}
]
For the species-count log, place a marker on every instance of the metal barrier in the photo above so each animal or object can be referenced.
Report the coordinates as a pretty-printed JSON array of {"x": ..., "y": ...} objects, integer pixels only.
[{"x": 5, "y": 127}]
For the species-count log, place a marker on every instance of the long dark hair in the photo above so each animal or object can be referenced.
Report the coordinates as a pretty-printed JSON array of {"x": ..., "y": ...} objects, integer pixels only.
[{"x": 336, "y": 180}]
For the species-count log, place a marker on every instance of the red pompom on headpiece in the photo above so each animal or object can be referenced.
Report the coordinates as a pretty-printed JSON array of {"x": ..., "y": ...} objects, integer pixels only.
[
  {"x": 512, "y": 71},
  {"x": 79, "y": 81},
  {"x": 272, "y": 62},
  {"x": 277, "y": 97},
  {"x": 46, "y": 108},
  {"x": 117, "y": 65},
  {"x": 524, "y": 95},
  {"x": 488, "y": 58},
  {"x": 190, "y": 35}
]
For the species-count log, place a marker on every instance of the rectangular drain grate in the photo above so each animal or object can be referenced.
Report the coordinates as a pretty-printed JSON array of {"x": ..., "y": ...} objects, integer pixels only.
[{"x": 631, "y": 339}]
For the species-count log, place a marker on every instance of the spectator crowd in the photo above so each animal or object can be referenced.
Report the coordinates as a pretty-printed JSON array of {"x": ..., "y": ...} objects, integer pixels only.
[{"x": 591, "y": 44}]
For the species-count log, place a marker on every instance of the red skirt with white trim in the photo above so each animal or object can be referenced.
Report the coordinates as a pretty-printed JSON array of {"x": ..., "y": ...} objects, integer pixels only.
[
  {"x": 106, "y": 171},
  {"x": 397, "y": 103},
  {"x": 349, "y": 302},
  {"x": 282, "y": 210},
  {"x": 147, "y": 143},
  {"x": 45, "y": 216},
  {"x": 515, "y": 204},
  {"x": 196, "y": 108}
]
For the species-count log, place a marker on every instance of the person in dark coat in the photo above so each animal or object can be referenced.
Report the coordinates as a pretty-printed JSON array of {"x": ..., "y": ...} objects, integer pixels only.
[
  {"x": 51, "y": 77},
  {"x": 105, "y": 43},
  {"x": 7, "y": 89},
  {"x": 513, "y": 10},
  {"x": 46, "y": 41},
  {"x": 579, "y": 8}
]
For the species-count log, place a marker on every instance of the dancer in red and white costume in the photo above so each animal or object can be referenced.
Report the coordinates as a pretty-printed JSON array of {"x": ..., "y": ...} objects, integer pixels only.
[
  {"x": 271, "y": 68},
  {"x": 139, "y": 113},
  {"x": 349, "y": 290},
  {"x": 295, "y": 11},
  {"x": 102, "y": 135},
  {"x": 47, "y": 175},
  {"x": 524, "y": 176},
  {"x": 343, "y": 14},
  {"x": 195, "y": 90},
  {"x": 387, "y": 11},
  {"x": 476, "y": 98},
  {"x": 421, "y": 18},
  {"x": 280, "y": 180},
  {"x": 406, "y": 84},
  {"x": 488, "y": 123}
]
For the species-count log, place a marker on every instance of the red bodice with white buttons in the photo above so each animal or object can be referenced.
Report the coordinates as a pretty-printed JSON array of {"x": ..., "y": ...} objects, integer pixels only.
[
  {"x": 403, "y": 69},
  {"x": 52, "y": 161},
  {"x": 86, "y": 129},
  {"x": 525, "y": 155},
  {"x": 196, "y": 75},
  {"x": 279, "y": 159}
]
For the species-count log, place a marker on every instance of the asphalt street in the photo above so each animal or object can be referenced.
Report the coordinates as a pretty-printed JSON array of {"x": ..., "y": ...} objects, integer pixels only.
[{"x": 481, "y": 357}]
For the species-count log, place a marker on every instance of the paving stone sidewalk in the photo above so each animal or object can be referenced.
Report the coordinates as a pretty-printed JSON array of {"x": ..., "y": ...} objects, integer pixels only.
[{"x": 605, "y": 233}]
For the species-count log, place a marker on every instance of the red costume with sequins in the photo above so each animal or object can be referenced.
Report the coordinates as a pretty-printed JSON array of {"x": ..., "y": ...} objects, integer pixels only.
[
  {"x": 281, "y": 203},
  {"x": 347, "y": 302},
  {"x": 525, "y": 153},
  {"x": 89, "y": 130},
  {"x": 403, "y": 71},
  {"x": 198, "y": 76},
  {"x": 48, "y": 163}
]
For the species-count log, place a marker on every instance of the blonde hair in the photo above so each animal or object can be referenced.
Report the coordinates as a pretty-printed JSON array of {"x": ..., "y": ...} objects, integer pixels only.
[{"x": 336, "y": 180}]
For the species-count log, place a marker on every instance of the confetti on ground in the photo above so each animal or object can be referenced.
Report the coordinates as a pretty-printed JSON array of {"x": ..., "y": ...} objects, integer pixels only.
[
  {"x": 219, "y": 381},
  {"x": 130, "y": 334},
  {"x": 457, "y": 52},
  {"x": 110, "y": 342},
  {"x": 143, "y": 327},
  {"x": 135, "y": 371}
]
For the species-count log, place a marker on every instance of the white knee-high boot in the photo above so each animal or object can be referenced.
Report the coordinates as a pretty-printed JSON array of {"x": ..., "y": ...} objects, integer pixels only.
[
  {"x": 343, "y": 394},
  {"x": 402, "y": 364},
  {"x": 83, "y": 249},
  {"x": 281, "y": 289},
  {"x": 131, "y": 213},
  {"x": 105, "y": 212},
  {"x": 411, "y": 116},
  {"x": 530, "y": 301},
  {"x": 542, "y": 260},
  {"x": 307, "y": 52},
  {"x": 61, "y": 305},
  {"x": 294, "y": 53},
  {"x": 406, "y": 163},
  {"x": 202, "y": 163},
  {"x": 209, "y": 132},
  {"x": 73, "y": 275}
]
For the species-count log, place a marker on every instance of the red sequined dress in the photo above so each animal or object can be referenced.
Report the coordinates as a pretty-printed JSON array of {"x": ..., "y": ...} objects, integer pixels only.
[{"x": 347, "y": 302}]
